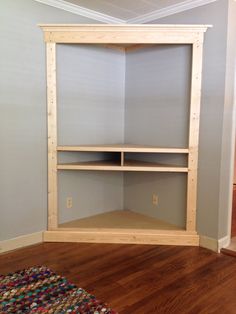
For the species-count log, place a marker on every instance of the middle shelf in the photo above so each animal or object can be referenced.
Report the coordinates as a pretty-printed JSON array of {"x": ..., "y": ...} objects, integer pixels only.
[
  {"x": 130, "y": 165},
  {"x": 122, "y": 157}
]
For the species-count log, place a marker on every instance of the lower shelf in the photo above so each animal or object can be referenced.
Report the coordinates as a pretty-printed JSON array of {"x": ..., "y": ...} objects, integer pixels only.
[
  {"x": 129, "y": 165},
  {"x": 121, "y": 227},
  {"x": 123, "y": 219}
]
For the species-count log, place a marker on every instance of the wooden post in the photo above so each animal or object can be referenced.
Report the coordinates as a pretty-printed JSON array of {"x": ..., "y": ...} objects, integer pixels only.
[
  {"x": 52, "y": 136},
  {"x": 194, "y": 133},
  {"x": 122, "y": 158}
]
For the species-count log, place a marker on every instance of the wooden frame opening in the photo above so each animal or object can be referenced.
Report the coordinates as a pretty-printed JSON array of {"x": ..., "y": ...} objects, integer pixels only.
[{"x": 128, "y": 38}]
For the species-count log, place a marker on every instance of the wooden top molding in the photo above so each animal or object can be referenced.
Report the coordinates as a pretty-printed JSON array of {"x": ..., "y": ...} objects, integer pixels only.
[
  {"x": 122, "y": 34},
  {"x": 105, "y": 27}
]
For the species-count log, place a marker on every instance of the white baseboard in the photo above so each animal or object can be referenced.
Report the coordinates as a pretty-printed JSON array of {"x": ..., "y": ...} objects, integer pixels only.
[
  {"x": 37, "y": 237},
  {"x": 223, "y": 243},
  {"x": 22, "y": 241},
  {"x": 214, "y": 244},
  {"x": 208, "y": 243}
]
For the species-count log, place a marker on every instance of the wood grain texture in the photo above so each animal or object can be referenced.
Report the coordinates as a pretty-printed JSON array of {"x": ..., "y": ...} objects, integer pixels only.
[
  {"x": 122, "y": 158},
  {"x": 231, "y": 249},
  {"x": 125, "y": 34},
  {"x": 122, "y": 34},
  {"x": 128, "y": 148},
  {"x": 124, "y": 219},
  {"x": 121, "y": 236},
  {"x": 194, "y": 133},
  {"x": 139, "y": 279},
  {"x": 128, "y": 165},
  {"x": 124, "y": 27},
  {"x": 233, "y": 225},
  {"x": 228, "y": 252},
  {"x": 52, "y": 136}
]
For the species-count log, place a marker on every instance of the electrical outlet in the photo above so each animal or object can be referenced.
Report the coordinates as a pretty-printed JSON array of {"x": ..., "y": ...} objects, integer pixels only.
[
  {"x": 69, "y": 202},
  {"x": 154, "y": 199}
]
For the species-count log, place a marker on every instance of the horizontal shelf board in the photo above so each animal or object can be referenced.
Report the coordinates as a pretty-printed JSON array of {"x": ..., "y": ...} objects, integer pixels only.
[
  {"x": 122, "y": 221},
  {"x": 129, "y": 165},
  {"x": 125, "y": 230},
  {"x": 122, "y": 148}
]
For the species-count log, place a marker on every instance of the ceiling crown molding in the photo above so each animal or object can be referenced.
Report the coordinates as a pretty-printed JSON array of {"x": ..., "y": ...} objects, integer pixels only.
[
  {"x": 91, "y": 14},
  {"x": 170, "y": 10},
  {"x": 145, "y": 18}
]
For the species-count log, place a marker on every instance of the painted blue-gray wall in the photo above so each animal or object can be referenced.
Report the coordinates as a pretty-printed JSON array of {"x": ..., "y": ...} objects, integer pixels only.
[
  {"x": 23, "y": 182},
  {"x": 157, "y": 98},
  {"x": 216, "y": 114},
  {"x": 90, "y": 111},
  {"x": 228, "y": 135},
  {"x": 23, "y": 158},
  {"x": 90, "y": 95}
]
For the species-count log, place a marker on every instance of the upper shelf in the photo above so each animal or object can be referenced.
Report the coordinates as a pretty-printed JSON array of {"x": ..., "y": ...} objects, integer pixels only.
[{"x": 127, "y": 148}]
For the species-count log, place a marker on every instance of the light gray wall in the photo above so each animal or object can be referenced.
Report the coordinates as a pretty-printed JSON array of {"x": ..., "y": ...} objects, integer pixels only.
[
  {"x": 171, "y": 208},
  {"x": 228, "y": 136},
  {"x": 212, "y": 112},
  {"x": 90, "y": 95},
  {"x": 157, "y": 113},
  {"x": 23, "y": 183},
  {"x": 216, "y": 148},
  {"x": 93, "y": 192},
  {"x": 23, "y": 179},
  {"x": 90, "y": 111},
  {"x": 157, "y": 96}
]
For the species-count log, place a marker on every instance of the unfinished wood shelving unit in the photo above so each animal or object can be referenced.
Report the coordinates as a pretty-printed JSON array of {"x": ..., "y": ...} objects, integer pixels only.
[
  {"x": 122, "y": 164},
  {"x": 126, "y": 38}
]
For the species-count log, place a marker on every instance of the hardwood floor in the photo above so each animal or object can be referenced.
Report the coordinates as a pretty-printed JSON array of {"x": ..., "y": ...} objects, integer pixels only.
[
  {"x": 233, "y": 226},
  {"x": 139, "y": 279},
  {"x": 231, "y": 249}
]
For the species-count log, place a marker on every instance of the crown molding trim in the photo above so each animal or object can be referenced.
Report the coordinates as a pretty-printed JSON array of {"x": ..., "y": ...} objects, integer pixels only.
[
  {"x": 170, "y": 10},
  {"x": 75, "y": 9},
  {"x": 145, "y": 18}
]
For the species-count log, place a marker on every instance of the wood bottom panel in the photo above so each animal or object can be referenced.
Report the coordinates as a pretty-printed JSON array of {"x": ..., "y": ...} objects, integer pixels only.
[
  {"x": 122, "y": 226},
  {"x": 119, "y": 237}
]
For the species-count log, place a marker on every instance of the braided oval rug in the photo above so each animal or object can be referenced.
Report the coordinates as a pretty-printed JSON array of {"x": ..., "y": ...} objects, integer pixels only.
[{"x": 39, "y": 290}]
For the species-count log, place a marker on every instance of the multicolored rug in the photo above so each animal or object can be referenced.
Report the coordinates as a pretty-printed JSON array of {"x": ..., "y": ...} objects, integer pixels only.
[{"x": 39, "y": 290}]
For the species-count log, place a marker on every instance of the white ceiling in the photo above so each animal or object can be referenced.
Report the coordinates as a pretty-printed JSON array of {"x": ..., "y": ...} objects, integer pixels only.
[{"x": 125, "y": 9}]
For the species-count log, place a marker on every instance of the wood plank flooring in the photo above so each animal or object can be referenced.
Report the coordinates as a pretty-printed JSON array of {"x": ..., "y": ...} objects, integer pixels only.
[
  {"x": 233, "y": 226},
  {"x": 139, "y": 279}
]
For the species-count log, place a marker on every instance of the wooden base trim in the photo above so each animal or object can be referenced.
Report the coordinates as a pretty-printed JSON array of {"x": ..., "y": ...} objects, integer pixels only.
[
  {"x": 22, "y": 241},
  {"x": 121, "y": 237}
]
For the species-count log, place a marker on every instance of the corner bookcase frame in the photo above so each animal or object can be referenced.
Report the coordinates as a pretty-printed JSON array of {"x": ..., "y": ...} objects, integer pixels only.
[{"x": 128, "y": 38}]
